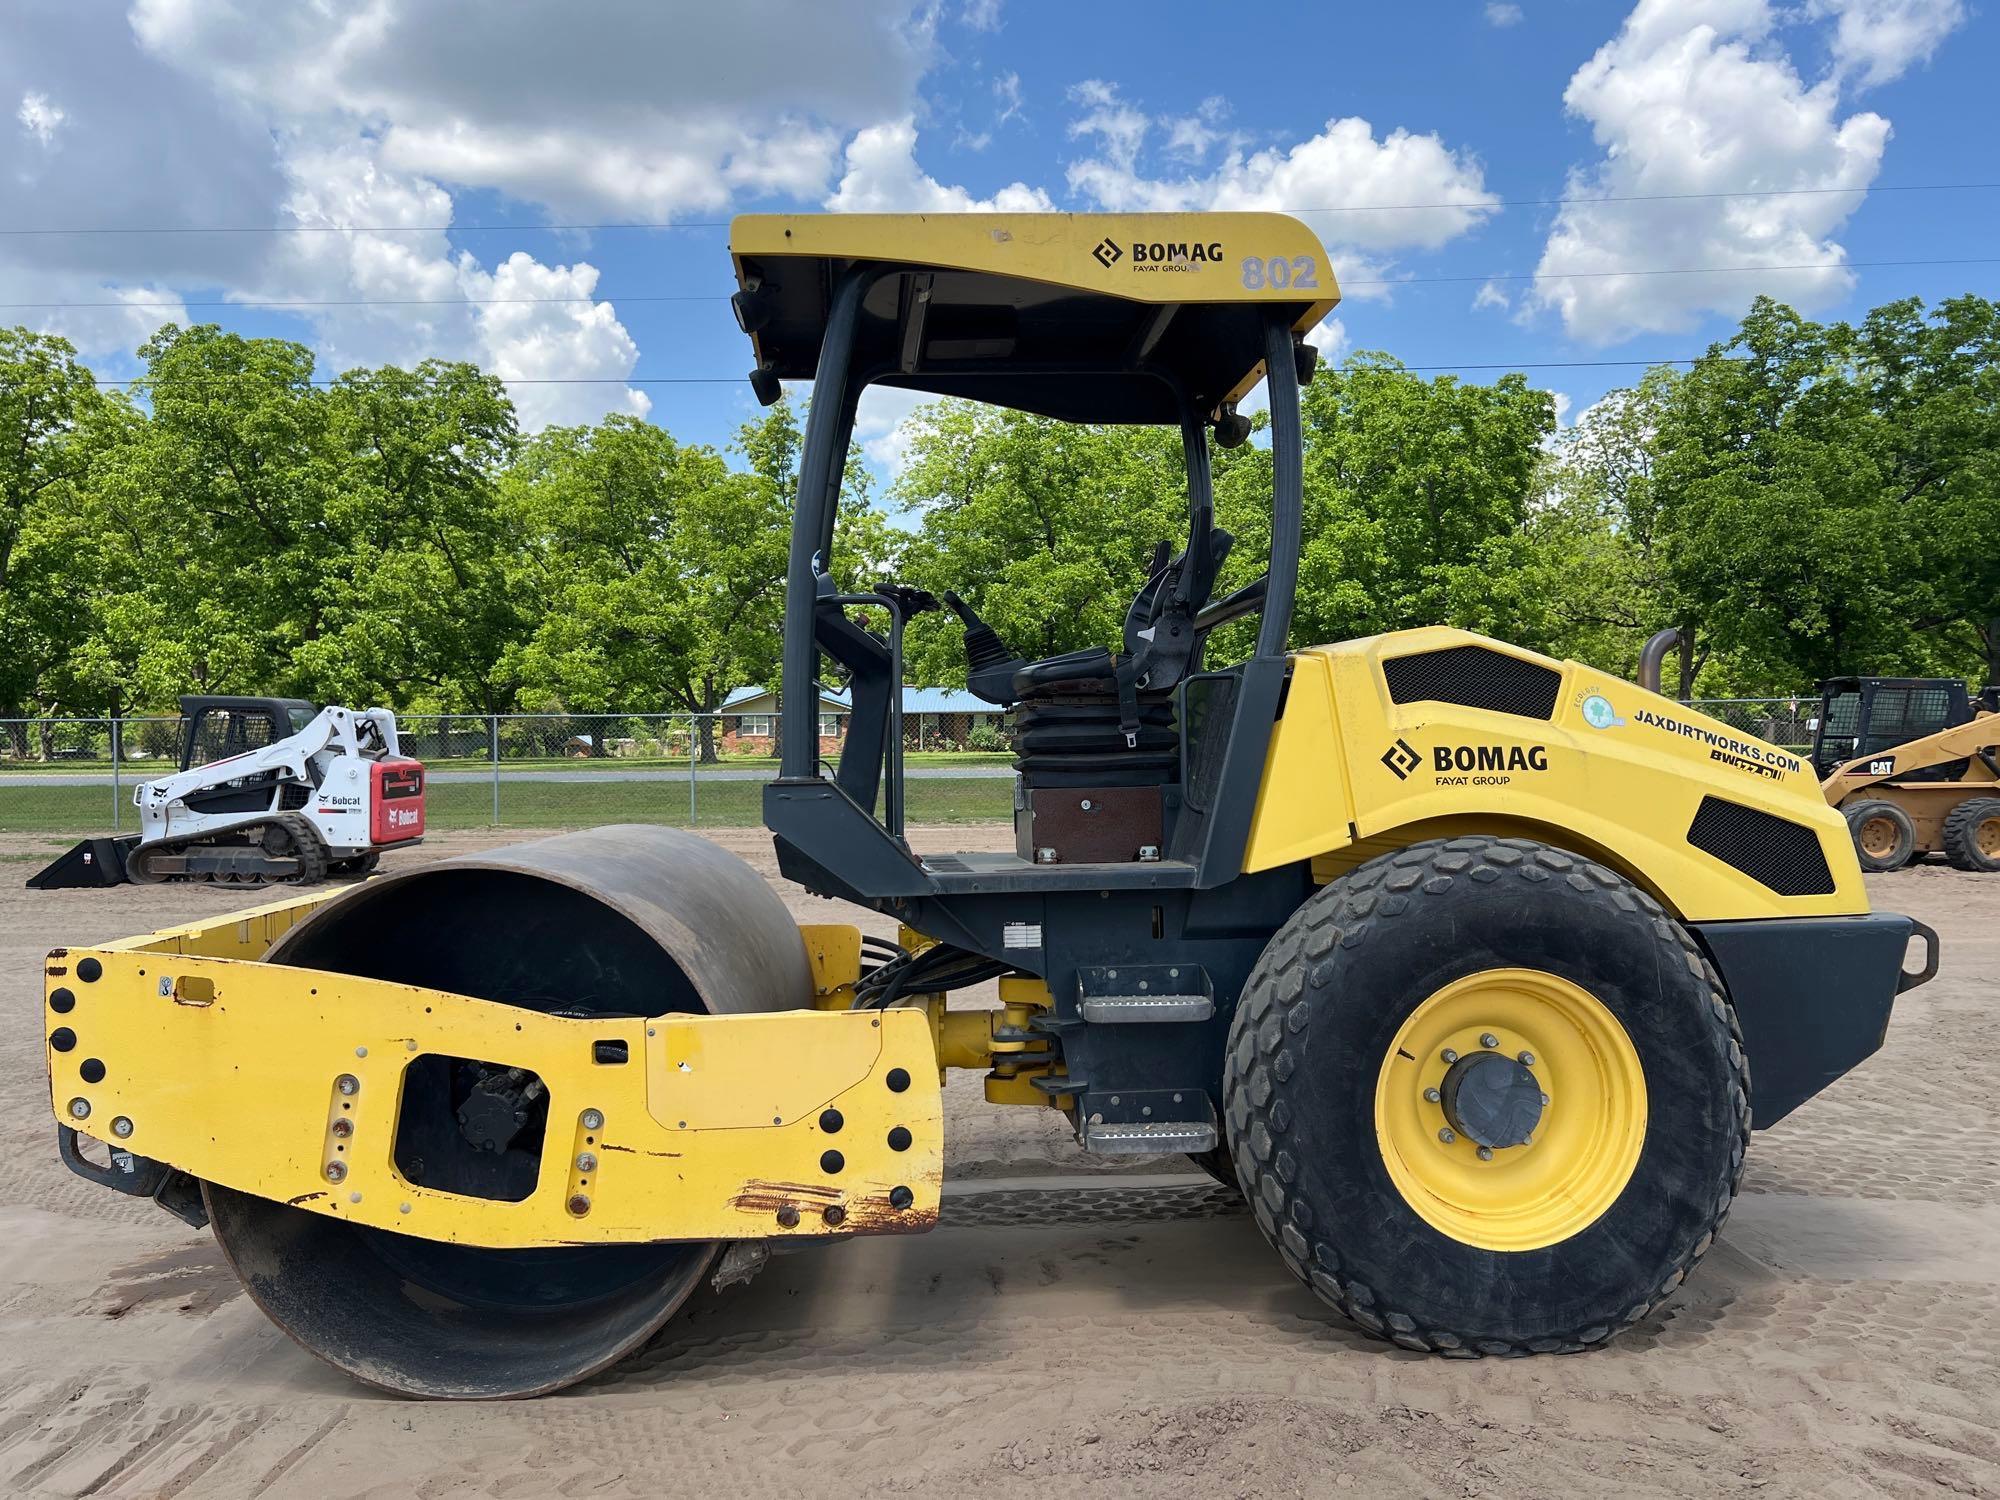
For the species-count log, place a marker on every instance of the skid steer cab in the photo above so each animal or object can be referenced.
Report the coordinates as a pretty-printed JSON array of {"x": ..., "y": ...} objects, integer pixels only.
[
  {"x": 269, "y": 790},
  {"x": 1469, "y": 970}
]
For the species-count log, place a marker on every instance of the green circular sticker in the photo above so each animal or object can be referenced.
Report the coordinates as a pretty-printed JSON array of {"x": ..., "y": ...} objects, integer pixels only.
[{"x": 1598, "y": 713}]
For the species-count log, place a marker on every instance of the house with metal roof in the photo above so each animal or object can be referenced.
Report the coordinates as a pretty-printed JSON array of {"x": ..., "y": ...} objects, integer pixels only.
[{"x": 933, "y": 718}]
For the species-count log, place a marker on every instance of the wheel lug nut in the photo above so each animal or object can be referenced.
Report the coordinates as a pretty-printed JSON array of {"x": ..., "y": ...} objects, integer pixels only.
[
  {"x": 1446, "y": 1136},
  {"x": 335, "y": 1171},
  {"x": 586, "y": 1161},
  {"x": 348, "y": 1084},
  {"x": 1449, "y": 1055},
  {"x": 1432, "y": 1096},
  {"x": 1527, "y": 1059},
  {"x": 1486, "y": 1153},
  {"x": 1488, "y": 1039}
]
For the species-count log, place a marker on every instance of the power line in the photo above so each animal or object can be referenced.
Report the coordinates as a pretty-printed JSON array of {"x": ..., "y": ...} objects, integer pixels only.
[
  {"x": 1815, "y": 265},
  {"x": 1908, "y": 187},
  {"x": 1545, "y": 364},
  {"x": 652, "y": 297},
  {"x": 381, "y": 301},
  {"x": 609, "y": 226}
]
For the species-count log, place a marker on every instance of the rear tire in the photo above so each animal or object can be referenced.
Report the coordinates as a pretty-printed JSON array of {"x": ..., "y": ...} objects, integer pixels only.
[
  {"x": 359, "y": 866},
  {"x": 1329, "y": 1116},
  {"x": 1884, "y": 836},
  {"x": 1972, "y": 834}
]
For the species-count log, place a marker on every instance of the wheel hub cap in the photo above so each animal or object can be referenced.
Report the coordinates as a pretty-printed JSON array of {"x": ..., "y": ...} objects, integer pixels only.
[{"x": 1492, "y": 1100}]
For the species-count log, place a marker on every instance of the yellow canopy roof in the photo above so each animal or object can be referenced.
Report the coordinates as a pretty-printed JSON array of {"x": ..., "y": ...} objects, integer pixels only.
[{"x": 1072, "y": 315}]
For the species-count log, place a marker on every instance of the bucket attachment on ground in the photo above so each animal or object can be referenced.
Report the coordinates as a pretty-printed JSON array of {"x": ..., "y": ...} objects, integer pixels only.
[{"x": 93, "y": 862}]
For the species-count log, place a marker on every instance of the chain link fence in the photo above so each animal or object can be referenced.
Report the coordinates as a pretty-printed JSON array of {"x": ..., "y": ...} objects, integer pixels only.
[
  {"x": 1785, "y": 722},
  {"x": 76, "y": 776}
]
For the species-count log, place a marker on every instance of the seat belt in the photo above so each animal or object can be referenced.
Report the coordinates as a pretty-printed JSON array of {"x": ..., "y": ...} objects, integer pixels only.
[{"x": 1126, "y": 675}]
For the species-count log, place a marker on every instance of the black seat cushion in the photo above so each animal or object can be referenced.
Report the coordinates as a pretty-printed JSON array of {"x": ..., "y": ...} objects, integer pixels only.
[{"x": 1093, "y": 671}]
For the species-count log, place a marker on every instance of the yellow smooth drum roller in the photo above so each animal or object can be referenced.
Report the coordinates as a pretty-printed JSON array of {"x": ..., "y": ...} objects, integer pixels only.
[{"x": 616, "y": 922}]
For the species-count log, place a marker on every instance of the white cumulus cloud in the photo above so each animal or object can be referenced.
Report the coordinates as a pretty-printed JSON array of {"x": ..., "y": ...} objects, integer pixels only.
[
  {"x": 531, "y": 323},
  {"x": 1400, "y": 191},
  {"x": 1876, "y": 41},
  {"x": 1502, "y": 13},
  {"x": 40, "y": 118},
  {"x": 1694, "y": 97},
  {"x": 1330, "y": 338},
  {"x": 591, "y": 107},
  {"x": 882, "y": 177},
  {"x": 374, "y": 119}
]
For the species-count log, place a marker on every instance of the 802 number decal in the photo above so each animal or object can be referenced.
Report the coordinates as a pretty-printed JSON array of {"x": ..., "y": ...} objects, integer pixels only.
[{"x": 1280, "y": 273}]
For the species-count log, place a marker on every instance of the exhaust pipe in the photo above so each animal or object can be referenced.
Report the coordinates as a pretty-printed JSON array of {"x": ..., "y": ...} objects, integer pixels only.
[{"x": 1653, "y": 654}]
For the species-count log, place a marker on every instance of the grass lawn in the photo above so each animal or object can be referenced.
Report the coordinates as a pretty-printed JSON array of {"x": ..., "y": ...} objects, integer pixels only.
[
  {"x": 149, "y": 770},
  {"x": 78, "y": 810}
]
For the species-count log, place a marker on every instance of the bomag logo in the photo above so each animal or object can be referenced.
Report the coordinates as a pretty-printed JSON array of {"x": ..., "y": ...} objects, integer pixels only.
[
  {"x": 1490, "y": 758},
  {"x": 1211, "y": 252},
  {"x": 1174, "y": 259},
  {"x": 1456, "y": 765},
  {"x": 1160, "y": 255}
]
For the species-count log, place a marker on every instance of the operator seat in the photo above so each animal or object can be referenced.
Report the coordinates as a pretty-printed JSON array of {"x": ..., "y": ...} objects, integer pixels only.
[
  {"x": 1159, "y": 642},
  {"x": 1091, "y": 718}
]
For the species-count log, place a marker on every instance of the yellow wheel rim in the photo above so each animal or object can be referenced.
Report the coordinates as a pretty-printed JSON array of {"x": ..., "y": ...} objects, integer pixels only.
[
  {"x": 1988, "y": 838},
  {"x": 1582, "y": 1150},
  {"x": 1878, "y": 837}
]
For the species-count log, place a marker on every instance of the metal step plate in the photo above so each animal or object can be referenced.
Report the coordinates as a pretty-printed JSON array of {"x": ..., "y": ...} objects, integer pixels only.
[
  {"x": 1144, "y": 994},
  {"x": 1149, "y": 1137}
]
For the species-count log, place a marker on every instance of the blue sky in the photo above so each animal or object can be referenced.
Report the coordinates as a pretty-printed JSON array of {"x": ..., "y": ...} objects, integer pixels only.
[{"x": 376, "y": 125}]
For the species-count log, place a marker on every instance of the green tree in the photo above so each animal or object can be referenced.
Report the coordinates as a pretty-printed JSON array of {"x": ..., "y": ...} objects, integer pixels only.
[
  {"x": 1047, "y": 529},
  {"x": 48, "y": 400},
  {"x": 422, "y": 604},
  {"x": 1826, "y": 495},
  {"x": 1593, "y": 576},
  {"x": 226, "y": 503},
  {"x": 663, "y": 571},
  {"x": 1416, "y": 492}
]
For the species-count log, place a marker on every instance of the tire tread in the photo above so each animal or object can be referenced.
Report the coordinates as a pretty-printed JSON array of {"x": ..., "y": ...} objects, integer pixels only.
[{"x": 1362, "y": 906}]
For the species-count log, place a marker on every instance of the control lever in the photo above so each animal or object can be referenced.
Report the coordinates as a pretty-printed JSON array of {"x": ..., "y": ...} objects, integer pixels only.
[
  {"x": 989, "y": 665},
  {"x": 910, "y": 599}
]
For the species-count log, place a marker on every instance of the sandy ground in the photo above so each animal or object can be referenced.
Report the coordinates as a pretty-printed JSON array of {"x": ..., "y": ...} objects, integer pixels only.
[{"x": 1066, "y": 1329}]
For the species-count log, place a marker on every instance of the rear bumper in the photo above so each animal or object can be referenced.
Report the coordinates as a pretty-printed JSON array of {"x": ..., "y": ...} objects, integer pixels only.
[{"x": 1813, "y": 996}]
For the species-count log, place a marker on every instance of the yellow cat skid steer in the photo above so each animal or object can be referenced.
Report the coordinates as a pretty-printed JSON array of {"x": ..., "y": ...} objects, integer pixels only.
[{"x": 1471, "y": 968}]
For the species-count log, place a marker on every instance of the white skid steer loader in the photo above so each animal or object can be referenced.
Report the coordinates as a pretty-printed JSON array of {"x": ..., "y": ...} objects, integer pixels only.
[{"x": 269, "y": 790}]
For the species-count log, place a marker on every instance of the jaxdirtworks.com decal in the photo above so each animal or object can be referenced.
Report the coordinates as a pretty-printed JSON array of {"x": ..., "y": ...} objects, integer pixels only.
[{"x": 1739, "y": 755}]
